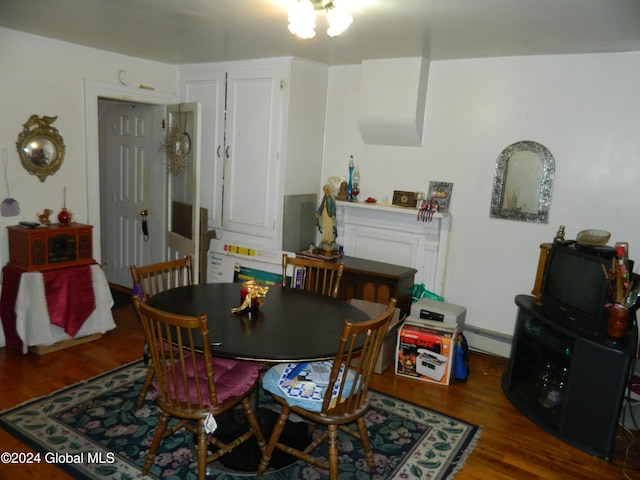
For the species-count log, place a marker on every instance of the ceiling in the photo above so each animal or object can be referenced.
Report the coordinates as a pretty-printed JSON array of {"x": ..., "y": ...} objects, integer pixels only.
[{"x": 196, "y": 31}]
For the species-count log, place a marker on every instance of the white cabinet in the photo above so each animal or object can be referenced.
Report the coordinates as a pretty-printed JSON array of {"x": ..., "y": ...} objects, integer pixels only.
[
  {"x": 252, "y": 149},
  {"x": 262, "y": 139}
]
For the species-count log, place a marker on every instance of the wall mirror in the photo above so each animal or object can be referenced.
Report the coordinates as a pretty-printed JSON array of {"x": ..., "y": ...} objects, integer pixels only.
[
  {"x": 522, "y": 183},
  {"x": 40, "y": 147}
]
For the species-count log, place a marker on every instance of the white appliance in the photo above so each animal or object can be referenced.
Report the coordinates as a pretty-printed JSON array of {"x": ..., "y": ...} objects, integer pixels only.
[
  {"x": 430, "y": 364},
  {"x": 436, "y": 311},
  {"x": 238, "y": 261}
]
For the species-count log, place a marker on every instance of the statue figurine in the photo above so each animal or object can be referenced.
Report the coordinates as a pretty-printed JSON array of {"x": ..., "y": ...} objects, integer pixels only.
[
  {"x": 326, "y": 223},
  {"x": 44, "y": 216},
  {"x": 343, "y": 193}
]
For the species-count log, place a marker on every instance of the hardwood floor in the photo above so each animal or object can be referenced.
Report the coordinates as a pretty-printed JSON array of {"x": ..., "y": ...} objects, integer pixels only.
[{"x": 511, "y": 447}]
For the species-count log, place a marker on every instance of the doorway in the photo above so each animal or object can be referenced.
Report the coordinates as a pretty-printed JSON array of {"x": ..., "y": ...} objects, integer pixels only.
[
  {"x": 157, "y": 223},
  {"x": 130, "y": 203}
]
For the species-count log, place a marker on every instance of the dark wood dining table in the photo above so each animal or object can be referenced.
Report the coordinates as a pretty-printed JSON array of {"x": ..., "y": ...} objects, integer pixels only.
[{"x": 292, "y": 325}]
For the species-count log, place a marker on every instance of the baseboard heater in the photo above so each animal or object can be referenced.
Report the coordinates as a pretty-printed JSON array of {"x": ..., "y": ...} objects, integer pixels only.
[{"x": 488, "y": 341}]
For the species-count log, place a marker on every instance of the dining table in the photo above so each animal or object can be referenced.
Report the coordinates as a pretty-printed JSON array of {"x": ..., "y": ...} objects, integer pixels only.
[{"x": 292, "y": 325}]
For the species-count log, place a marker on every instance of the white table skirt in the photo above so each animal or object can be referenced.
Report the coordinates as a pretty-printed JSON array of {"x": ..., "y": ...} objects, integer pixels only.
[{"x": 33, "y": 324}]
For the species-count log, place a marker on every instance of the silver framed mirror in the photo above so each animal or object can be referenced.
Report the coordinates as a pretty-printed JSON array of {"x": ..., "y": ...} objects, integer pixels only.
[
  {"x": 522, "y": 183},
  {"x": 40, "y": 147}
]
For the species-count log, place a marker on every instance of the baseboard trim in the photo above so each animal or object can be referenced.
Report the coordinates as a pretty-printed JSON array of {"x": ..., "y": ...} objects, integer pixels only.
[{"x": 488, "y": 341}]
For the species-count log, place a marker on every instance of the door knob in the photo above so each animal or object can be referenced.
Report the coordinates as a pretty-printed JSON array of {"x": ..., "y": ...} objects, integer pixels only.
[{"x": 145, "y": 228}]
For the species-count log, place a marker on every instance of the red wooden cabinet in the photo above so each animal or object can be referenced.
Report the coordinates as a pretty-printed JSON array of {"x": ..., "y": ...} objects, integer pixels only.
[{"x": 49, "y": 247}]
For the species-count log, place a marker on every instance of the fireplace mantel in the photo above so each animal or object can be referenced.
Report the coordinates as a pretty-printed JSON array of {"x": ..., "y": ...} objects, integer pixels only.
[{"x": 391, "y": 234}]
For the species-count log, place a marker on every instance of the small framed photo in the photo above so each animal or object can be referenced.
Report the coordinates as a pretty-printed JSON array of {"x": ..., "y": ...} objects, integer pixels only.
[
  {"x": 404, "y": 199},
  {"x": 440, "y": 194}
]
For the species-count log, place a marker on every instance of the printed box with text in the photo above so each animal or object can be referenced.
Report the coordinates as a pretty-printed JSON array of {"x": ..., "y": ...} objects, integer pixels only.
[{"x": 425, "y": 350}]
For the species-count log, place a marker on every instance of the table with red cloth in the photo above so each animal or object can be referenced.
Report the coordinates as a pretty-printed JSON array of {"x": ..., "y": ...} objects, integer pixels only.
[{"x": 43, "y": 308}]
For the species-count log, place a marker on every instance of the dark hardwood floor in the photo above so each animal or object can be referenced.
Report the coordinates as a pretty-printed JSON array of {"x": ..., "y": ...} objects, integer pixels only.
[{"x": 511, "y": 447}]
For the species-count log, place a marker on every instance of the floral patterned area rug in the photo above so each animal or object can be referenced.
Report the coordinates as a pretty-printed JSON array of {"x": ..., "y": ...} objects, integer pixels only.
[{"x": 92, "y": 431}]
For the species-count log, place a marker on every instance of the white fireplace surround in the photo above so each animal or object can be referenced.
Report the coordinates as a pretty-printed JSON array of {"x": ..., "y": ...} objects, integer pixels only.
[{"x": 390, "y": 234}]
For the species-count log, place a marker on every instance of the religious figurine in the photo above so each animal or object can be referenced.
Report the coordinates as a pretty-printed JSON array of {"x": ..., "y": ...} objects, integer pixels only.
[
  {"x": 343, "y": 193},
  {"x": 326, "y": 223}
]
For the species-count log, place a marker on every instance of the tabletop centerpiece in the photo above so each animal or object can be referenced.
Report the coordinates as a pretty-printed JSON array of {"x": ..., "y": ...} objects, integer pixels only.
[{"x": 252, "y": 296}]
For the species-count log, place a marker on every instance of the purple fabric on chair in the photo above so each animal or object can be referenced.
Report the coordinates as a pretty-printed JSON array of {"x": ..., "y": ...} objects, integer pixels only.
[
  {"x": 137, "y": 290},
  {"x": 232, "y": 377}
]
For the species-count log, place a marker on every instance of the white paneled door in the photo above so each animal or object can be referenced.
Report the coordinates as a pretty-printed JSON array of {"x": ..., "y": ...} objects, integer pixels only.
[
  {"x": 126, "y": 152},
  {"x": 252, "y": 151},
  {"x": 183, "y": 206}
]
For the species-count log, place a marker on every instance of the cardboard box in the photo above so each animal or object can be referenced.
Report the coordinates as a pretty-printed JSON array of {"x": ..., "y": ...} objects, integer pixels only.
[
  {"x": 387, "y": 353},
  {"x": 425, "y": 350},
  {"x": 428, "y": 309}
]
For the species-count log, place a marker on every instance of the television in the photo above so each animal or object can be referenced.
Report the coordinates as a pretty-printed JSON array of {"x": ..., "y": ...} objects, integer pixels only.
[{"x": 575, "y": 289}]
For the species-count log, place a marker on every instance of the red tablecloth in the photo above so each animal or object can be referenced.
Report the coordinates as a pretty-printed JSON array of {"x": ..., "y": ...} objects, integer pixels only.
[
  {"x": 69, "y": 295},
  {"x": 10, "y": 284}
]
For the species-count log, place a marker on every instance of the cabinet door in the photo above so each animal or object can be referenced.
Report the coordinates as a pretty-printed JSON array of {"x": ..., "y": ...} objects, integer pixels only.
[{"x": 252, "y": 173}]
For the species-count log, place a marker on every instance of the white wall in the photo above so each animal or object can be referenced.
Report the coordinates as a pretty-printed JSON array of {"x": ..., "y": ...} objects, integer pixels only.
[
  {"x": 584, "y": 109},
  {"x": 46, "y": 77}
]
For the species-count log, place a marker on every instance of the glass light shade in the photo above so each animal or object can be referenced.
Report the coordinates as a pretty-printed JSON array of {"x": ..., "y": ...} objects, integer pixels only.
[
  {"x": 339, "y": 20},
  {"x": 302, "y": 18}
]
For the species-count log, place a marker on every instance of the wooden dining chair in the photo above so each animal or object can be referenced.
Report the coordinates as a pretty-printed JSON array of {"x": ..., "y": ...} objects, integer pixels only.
[
  {"x": 312, "y": 275},
  {"x": 150, "y": 280},
  {"x": 344, "y": 401},
  {"x": 158, "y": 277},
  {"x": 195, "y": 386}
]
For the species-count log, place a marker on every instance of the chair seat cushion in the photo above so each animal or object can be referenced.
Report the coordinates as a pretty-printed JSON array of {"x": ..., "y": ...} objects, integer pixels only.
[
  {"x": 306, "y": 395},
  {"x": 232, "y": 378}
]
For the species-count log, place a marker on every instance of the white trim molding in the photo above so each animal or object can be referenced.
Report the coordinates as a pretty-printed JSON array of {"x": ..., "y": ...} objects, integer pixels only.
[
  {"x": 395, "y": 235},
  {"x": 93, "y": 91}
]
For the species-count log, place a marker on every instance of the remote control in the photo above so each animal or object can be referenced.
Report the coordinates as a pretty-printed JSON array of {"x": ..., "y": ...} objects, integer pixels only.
[{"x": 29, "y": 224}]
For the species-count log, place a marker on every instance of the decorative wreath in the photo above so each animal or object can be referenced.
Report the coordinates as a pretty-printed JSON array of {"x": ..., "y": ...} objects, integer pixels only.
[{"x": 177, "y": 145}]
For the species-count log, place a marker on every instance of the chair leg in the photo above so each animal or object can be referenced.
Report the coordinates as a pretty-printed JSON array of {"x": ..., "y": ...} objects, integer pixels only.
[
  {"x": 332, "y": 439},
  {"x": 366, "y": 445},
  {"x": 155, "y": 443},
  {"x": 202, "y": 450},
  {"x": 253, "y": 423},
  {"x": 151, "y": 371},
  {"x": 273, "y": 440}
]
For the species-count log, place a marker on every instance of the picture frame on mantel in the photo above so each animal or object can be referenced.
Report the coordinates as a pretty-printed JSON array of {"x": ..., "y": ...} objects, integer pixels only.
[
  {"x": 440, "y": 194},
  {"x": 404, "y": 199}
]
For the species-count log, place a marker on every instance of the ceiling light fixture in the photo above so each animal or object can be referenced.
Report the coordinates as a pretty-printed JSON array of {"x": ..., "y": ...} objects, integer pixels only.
[{"x": 302, "y": 17}]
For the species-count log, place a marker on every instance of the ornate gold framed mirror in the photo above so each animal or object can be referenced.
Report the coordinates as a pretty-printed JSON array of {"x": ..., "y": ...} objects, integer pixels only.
[
  {"x": 40, "y": 147},
  {"x": 522, "y": 183}
]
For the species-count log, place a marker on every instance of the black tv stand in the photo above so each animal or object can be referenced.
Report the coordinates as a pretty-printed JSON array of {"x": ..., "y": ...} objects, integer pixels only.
[{"x": 569, "y": 385}]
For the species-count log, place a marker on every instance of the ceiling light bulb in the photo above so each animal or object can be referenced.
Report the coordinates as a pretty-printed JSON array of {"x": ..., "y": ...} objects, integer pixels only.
[
  {"x": 302, "y": 32},
  {"x": 339, "y": 20},
  {"x": 302, "y": 18}
]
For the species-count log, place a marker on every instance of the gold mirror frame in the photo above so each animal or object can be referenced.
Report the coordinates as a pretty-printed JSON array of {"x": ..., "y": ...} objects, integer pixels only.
[
  {"x": 40, "y": 147},
  {"x": 522, "y": 183}
]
